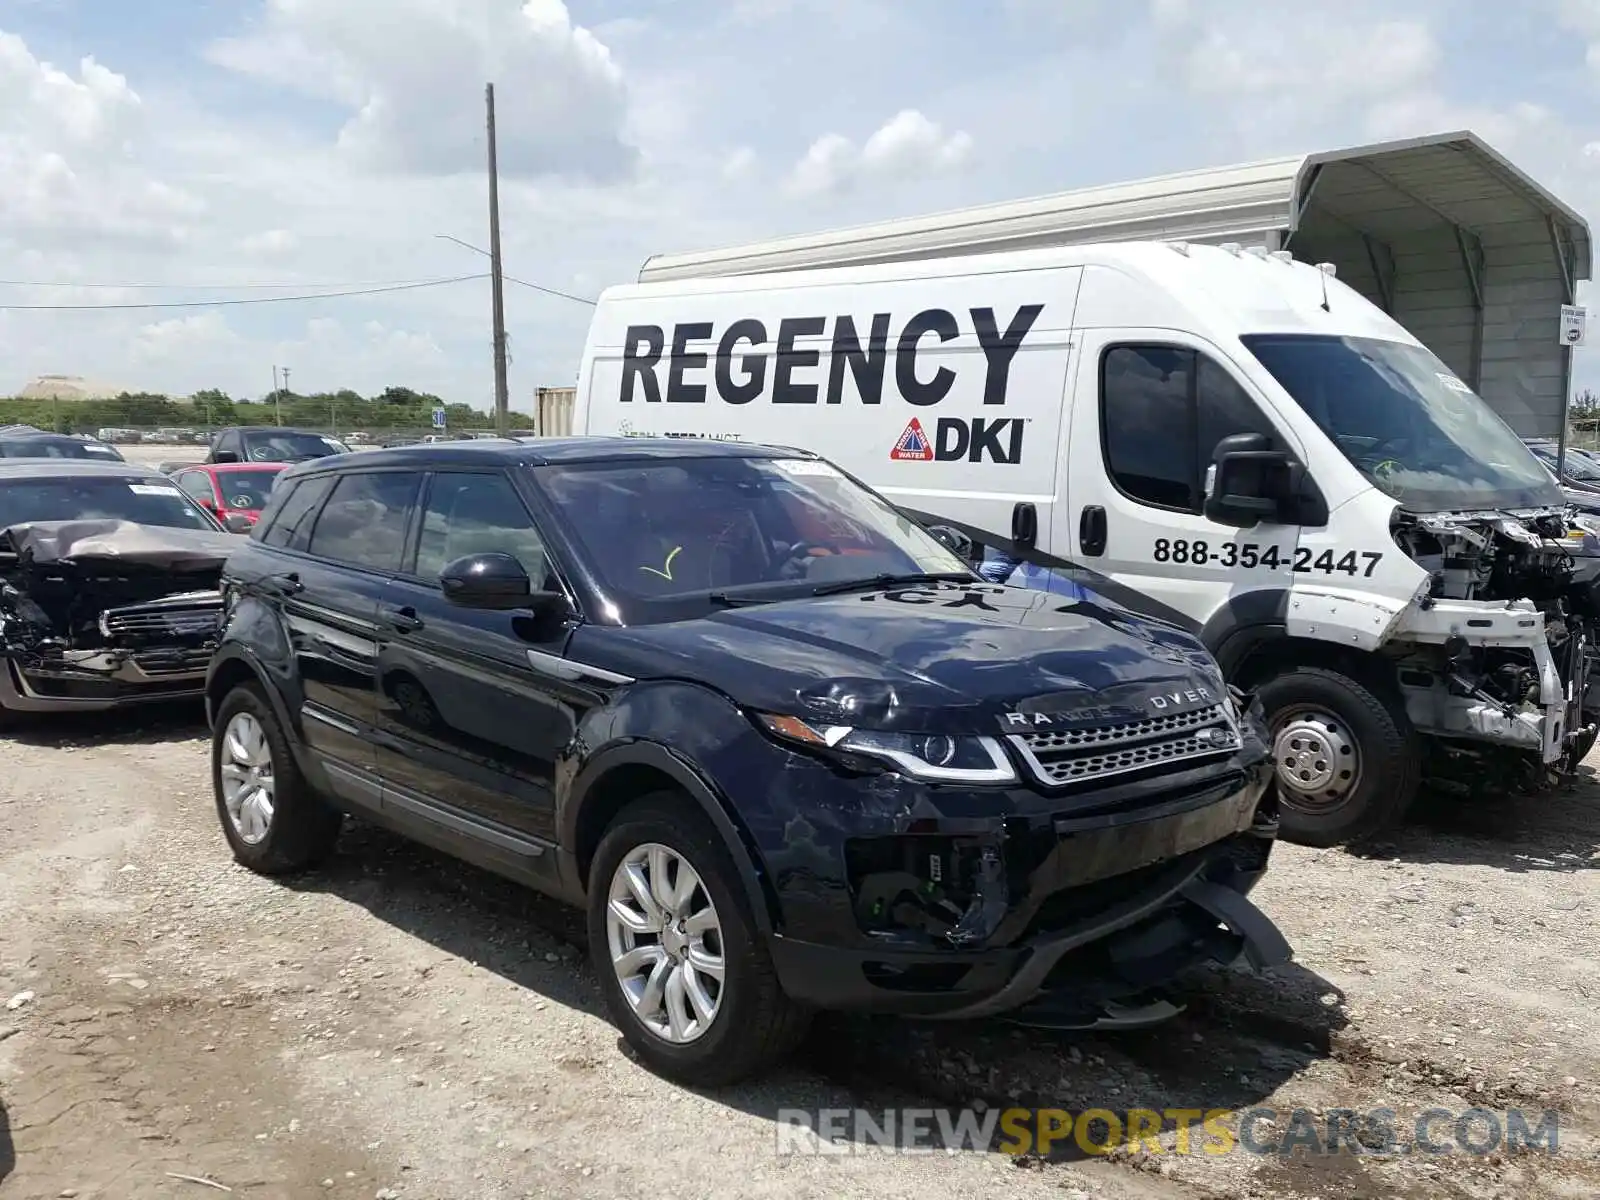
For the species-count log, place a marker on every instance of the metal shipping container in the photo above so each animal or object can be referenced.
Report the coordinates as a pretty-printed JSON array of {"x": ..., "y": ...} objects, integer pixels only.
[{"x": 553, "y": 411}]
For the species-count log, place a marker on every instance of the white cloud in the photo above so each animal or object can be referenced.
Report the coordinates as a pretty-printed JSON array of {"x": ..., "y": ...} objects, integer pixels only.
[
  {"x": 411, "y": 75},
  {"x": 907, "y": 146},
  {"x": 67, "y": 155},
  {"x": 179, "y": 338},
  {"x": 1324, "y": 62},
  {"x": 739, "y": 165},
  {"x": 1583, "y": 18},
  {"x": 269, "y": 243},
  {"x": 320, "y": 144}
]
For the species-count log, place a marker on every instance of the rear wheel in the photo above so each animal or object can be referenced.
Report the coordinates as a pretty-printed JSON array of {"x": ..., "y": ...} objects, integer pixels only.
[
  {"x": 1346, "y": 757},
  {"x": 684, "y": 970}
]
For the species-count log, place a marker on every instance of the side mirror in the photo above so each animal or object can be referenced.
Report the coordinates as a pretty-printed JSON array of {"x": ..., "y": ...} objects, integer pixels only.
[
  {"x": 495, "y": 581},
  {"x": 952, "y": 539},
  {"x": 1024, "y": 527},
  {"x": 224, "y": 456},
  {"x": 238, "y": 523},
  {"x": 1250, "y": 482}
]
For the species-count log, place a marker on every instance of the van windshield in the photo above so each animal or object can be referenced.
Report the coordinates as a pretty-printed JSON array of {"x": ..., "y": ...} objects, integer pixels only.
[{"x": 1407, "y": 423}]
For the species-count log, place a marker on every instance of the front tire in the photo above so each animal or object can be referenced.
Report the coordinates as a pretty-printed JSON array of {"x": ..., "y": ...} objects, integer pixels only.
[
  {"x": 1346, "y": 757},
  {"x": 272, "y": 819},
  {"x": 685, "y": 972}
]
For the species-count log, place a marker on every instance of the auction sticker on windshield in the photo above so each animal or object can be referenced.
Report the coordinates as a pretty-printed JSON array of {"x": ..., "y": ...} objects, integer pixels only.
[
  {"x": 153, "y": 489},
  {"x": 804, "y": 466}
]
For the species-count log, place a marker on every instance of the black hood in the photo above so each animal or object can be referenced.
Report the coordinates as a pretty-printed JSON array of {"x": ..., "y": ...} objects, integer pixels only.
[{"x": 952, "y": 657}]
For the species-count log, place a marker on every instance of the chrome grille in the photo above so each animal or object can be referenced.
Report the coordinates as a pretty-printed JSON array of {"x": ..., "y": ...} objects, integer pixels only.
[
  {"x": 1128, "y": 731},
  {"x": 176, "y": 617},
  {"x": 1061, "y": 757}
]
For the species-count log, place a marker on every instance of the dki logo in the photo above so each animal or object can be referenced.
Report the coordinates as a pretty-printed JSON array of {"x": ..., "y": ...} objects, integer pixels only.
[{"x": 973, "y": 439}]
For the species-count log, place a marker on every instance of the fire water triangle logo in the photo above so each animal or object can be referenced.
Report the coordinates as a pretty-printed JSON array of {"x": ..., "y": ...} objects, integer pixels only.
[{"x": 913, "y": 444}]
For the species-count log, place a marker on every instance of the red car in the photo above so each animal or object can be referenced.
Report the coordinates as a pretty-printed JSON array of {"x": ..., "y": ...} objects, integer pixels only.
[{"x": 226, "y": 489}]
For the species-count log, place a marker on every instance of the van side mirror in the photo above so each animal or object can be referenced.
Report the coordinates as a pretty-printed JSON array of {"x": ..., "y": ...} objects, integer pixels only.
[
  {"x": 952, "y": 539},
  {"x": 1251, "y": 481},
  {"x": 1024, "y": 527},
  {"x": 224, "y": 456}
]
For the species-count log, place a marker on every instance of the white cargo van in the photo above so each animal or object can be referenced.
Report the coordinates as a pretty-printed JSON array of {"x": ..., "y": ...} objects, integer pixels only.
[{"x": 1231, "y": 440}]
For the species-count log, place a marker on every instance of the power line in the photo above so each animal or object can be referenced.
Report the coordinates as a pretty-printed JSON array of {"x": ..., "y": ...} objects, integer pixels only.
[
  {"x": 243, "y": 300},
  {"x": 192, "y": 287},
  {"x": 538, "y": 287}
]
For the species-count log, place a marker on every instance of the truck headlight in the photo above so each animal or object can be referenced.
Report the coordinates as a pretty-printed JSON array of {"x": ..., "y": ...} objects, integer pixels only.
[{"x": 935, "y": 757}]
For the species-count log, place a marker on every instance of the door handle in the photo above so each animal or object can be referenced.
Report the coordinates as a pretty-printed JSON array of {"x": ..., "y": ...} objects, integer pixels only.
[
  {"x": 403, "y": 617},
  {"x": 1092, "y": 530},
  {"x": 287, "y": 584}
]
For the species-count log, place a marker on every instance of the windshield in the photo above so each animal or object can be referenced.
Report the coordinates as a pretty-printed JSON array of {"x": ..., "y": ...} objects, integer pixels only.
[
  {"x": 247, "y": 490},
  {"x": 77, "y": 498},
  {"x": 54, "y": 448},
  {"x": 684, "y": 528},
  {"x": 1404, "y": 419},
  {"x": 283, "y": 445}
]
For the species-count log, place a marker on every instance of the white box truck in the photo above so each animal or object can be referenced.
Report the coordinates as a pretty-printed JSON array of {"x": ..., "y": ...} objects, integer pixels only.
[{"x": 1228, "y": 438}]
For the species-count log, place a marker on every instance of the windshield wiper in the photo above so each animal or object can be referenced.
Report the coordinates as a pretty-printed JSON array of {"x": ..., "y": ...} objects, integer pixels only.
[
  {"x": 884, "y": 581},
  {"x": 728, "y": 601}
]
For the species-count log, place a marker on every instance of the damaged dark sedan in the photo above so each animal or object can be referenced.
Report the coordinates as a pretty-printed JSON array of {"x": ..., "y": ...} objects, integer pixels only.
[
  {"x": 788, "y": 751},
  {"x": 108, "y": 587}
]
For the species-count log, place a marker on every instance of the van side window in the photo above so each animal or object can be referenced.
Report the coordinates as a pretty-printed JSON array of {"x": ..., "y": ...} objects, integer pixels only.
[{"x": 1163, "y": 409}]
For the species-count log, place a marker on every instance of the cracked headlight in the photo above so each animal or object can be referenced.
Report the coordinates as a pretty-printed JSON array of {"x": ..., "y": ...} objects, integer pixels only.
[{"x": 934, "y": 757}]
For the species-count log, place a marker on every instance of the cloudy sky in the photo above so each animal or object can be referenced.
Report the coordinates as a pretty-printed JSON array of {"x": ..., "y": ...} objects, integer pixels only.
[{"x": 250, "y": 148}]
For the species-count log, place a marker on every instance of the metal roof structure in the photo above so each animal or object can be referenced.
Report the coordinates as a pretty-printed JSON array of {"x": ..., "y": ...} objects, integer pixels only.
[{"x": 1443, "y": 232}]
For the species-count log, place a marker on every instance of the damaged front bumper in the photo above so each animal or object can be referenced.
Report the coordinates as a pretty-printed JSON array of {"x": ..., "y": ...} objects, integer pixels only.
[
  {"x": 154, "y": 651},
  {"x": 99, "y": 681},
  {"x": 1540, "y": 728},
  {"x": 1075, "y": 919}
]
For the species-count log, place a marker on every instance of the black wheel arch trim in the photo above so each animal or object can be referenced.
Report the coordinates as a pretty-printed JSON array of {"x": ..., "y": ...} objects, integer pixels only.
[
  {"x": 233, "y": 652},
  {"x": 1243, "y": 623},
  {"x": 762, "y": 899}
]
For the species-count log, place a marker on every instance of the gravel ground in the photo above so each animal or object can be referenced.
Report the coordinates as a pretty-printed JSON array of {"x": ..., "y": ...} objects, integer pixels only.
[{"x": 401, "y": 1026}]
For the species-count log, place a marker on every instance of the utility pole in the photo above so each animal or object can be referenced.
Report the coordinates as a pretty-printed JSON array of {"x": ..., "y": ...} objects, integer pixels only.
[
  {"x": 502, "y": 392},
  {"x": 277, "y": 396}
]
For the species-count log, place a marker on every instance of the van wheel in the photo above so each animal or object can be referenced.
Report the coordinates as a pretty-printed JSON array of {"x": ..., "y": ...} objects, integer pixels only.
[
  {"x": 684, "y": 970},
  {"x": 1347, "y": 761},
  {"x": 272, "y": 819}
]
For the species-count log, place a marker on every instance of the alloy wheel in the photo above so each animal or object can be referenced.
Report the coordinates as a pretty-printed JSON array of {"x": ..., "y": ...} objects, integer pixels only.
[
  {"x": 665, "y": 942},
  {"x": 246, "y": 772}
]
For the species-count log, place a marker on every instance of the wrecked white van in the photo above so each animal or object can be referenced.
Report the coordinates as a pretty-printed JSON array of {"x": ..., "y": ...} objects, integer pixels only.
[{"x": 1232, "y": 440}]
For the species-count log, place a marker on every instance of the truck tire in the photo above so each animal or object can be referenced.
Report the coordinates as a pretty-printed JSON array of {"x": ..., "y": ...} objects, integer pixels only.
[
  {"x": 1348, "y": 765},
  {"x": 722, "y": 1032}
]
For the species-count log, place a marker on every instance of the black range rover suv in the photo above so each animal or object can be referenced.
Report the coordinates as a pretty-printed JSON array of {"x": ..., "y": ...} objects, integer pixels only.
[{"x": 785, "y": 748}]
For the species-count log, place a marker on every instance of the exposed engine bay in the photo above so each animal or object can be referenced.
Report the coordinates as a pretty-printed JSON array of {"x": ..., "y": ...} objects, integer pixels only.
[
  {"x": 1550, "y": 558},
  {"x": 103, "y": 610}
]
